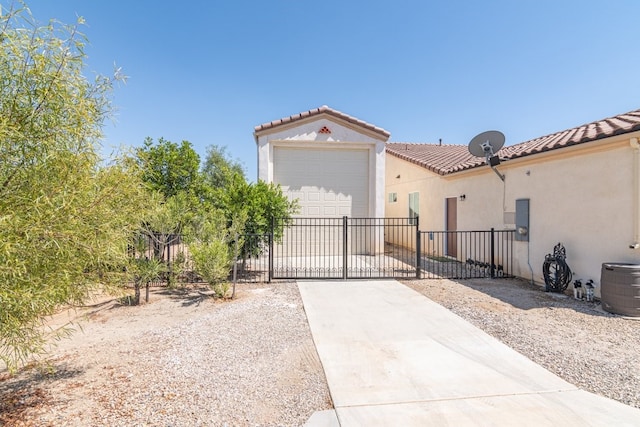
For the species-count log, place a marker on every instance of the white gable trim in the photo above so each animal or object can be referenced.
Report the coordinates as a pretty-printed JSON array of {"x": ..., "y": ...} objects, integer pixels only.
[{"x": 326, "y": 113}]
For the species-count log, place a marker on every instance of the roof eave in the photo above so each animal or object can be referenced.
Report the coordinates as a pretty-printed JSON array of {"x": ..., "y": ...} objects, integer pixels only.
[{"x": 295, "y": 119}]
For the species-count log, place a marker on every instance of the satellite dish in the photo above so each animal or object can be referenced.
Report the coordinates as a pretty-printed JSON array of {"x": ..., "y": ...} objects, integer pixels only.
[{"x": 486, "y": 144}]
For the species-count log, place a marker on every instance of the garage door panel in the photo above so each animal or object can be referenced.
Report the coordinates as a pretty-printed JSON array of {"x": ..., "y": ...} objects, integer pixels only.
[
  {"x": 345, "y": 211},
  {"x": 326, "y": 182},
  {"x": 330, "y": 211}
]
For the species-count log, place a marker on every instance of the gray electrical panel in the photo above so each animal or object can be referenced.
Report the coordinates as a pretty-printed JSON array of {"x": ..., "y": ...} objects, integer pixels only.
[{"x": 522, "y": 220}]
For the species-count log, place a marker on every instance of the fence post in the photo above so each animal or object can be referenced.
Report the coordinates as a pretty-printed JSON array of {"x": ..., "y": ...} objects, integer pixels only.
[
  {"x": 493, "y": 263},
  {"x": 169, "y": 263},
  {"x": 344, "y": 247},
  {"x": 235, "y": 265},
  {"x": 418, "y": 247},
  {"x": 273, "y": 226}
]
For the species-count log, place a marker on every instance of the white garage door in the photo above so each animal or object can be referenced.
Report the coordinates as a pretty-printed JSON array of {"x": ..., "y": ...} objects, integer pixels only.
[{"x": 327, "y": 183}]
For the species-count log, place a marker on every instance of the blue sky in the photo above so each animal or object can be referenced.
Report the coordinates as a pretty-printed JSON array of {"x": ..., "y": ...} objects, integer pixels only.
[{"x": 209, "y": 71}]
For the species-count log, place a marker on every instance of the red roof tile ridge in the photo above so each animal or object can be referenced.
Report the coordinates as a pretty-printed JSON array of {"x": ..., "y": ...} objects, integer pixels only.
[
  {"x": 323, "y": 109},
  {"x": 428, "y": 144},
  {"x": 585, "y": 126}
]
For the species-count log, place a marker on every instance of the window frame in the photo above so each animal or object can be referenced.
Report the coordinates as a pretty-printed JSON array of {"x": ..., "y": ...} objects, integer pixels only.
[{"x": 414, "y": 207}]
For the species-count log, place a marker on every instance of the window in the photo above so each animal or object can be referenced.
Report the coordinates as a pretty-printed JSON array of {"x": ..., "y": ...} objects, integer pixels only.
[
  {"x": 393, "y": 197},
  {"x": 414, "y": 207}
]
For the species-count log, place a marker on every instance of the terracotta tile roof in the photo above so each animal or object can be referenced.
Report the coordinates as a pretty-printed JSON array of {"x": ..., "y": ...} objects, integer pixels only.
[
  {"x": 441, "y": 159},
  {"x": 446, "y": 159},
  {"x": 322, "y": 110}
]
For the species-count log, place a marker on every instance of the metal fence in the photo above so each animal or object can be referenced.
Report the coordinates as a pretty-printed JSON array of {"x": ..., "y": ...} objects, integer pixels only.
[
  {"x": 252, "y": 265},
  {"x": 172, "y": 251},
  {"x": 466, "y": 254},
  {"x": 348, "y": 248}
]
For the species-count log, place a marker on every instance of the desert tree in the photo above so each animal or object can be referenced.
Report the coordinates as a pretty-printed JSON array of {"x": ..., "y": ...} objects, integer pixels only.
[
  {"x": 170, "y": 168},
  {"x": 66, "y": 214},
  {"x": 219, "y": 169},
  {"x": 172, "y": 172}
]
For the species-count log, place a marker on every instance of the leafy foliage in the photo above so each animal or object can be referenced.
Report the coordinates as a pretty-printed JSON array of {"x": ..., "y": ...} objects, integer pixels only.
[
  {"x": 170, "y": 168},
  {"x": 211, "y": 255},
  {"x": 218, "y": 193},
  {"x": 65, "y": 217},
  {"x": 258, "y": 204},
  {"x": 166, "y": 221},
  {"x": 219, "y": 170},
  {"x": 268, "y": 204}
]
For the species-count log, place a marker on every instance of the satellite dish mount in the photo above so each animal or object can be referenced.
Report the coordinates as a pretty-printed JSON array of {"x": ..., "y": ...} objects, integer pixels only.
[{"x": 486, "y": 145}]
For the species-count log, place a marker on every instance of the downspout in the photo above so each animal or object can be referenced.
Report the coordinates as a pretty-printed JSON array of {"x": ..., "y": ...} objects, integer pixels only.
[
  {"x": 529, "y": 260},
  {"x": 635, "y": 145}
]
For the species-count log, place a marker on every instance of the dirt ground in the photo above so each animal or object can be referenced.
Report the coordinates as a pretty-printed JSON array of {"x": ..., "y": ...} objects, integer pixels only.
[
  {"x": 182, "y": 359},
  {"x": 94, "y": 375},
  {"x": 104, "y": 321}
]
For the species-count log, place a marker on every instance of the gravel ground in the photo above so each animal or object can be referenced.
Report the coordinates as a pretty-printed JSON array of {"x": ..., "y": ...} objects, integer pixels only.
[
  {"x": 181, "y": 360},
  {"x": 188, "y": 360},
  {"x": 577, "y": 340}
]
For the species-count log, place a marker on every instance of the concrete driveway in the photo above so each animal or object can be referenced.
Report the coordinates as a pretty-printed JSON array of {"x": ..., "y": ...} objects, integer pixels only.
[{"x": 393, "y": 357}]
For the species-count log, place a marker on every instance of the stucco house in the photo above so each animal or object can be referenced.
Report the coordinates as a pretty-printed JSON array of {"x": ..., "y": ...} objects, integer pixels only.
[{"x": 580, "y": 187}]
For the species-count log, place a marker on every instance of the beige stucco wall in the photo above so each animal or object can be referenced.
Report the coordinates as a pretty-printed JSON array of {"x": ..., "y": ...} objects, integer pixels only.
[
  {"x": 476, "y": 212},
  {"x": 582, "y": 196}
]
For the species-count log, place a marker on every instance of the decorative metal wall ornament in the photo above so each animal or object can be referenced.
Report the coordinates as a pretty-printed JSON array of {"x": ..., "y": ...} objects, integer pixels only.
[{"x": 556, "y": 271}]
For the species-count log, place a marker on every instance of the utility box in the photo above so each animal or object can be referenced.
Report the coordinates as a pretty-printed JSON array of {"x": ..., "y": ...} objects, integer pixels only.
[{"x": 522, "y": 220}]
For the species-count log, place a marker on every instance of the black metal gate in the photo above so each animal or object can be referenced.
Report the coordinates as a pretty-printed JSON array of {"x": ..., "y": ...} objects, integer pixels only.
[{"x": 343, "y": 248}]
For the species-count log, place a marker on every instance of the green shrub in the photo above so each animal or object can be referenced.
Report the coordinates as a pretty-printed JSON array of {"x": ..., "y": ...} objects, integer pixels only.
[
  {"x": 146, "y": 271},
  {"x": 212, "y": 261},
  {"x": 176, "y": 270},
  {"x": 210, "y": 253}
]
